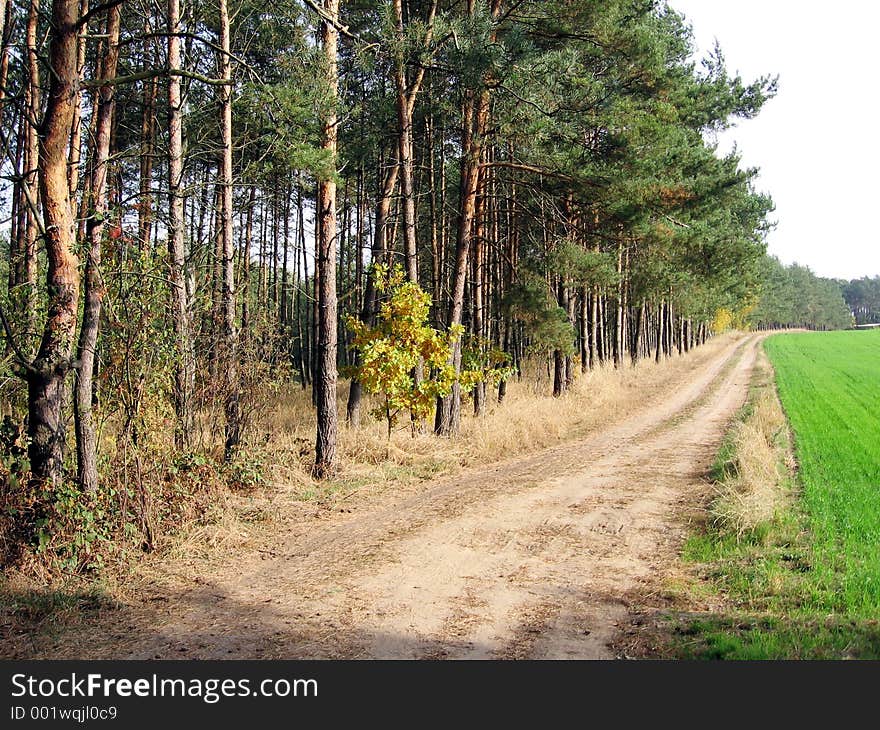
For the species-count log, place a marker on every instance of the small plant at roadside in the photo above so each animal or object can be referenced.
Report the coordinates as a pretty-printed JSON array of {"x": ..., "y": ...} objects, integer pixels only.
[{"x": 404, "y": 360}]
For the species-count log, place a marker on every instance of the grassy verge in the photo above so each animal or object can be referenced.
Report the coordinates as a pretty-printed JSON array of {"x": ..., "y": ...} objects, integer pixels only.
[{"x": 789, "y": 565}]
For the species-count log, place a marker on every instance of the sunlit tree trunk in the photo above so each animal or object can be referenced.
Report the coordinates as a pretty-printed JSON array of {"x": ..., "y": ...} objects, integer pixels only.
[
  {"x": 229, "y": 332},
  {"x": 475, "y": 117},
  {"x": 184, "y": 366},
  {"x": 325, "y": 380},
  {"x": 48, "y": 372}
]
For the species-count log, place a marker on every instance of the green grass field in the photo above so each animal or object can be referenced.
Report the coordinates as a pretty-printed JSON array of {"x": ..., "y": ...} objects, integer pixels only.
[
  {"x": 807, "y": 585},
  {"x": 829, "y": 385}
]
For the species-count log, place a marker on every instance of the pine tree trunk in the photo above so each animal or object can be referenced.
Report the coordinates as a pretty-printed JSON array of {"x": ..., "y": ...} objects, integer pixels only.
[
  {"x": 27, "y": 265},
  {"x": 404, "y": 151},
  {"x": 475, "y": 118},
  {"x": 302, "y": 313},
  {"x": 47, "y": 374},
  {"x": 228, "y": 299},
  {"x": 4, "y": 9},
  {"x": 246, "y": 263},
  {"x": 558, "y": 373},
  {"x": 74, "y": 153},
  {"x": 148, "y": 146},
  {"x": 325, "y": 442},
  {"x": 479, "y": 394},
  {"x": 570, "y": 310},
  {"x": 379, "y": 246},
  {"x": 93, "y": 287},
  {"x": 283, "y": 307},
  {"x": 184, "y": 366},
  {"x": 659, "y": 333},
  {"x": 476, "y": 110},
  {"x": 594, "y": 326}
]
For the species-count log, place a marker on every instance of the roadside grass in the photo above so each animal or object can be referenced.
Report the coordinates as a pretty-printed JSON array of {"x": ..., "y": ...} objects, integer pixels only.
[
  {"x": 528, "y": 420},
  {"x": 793, "y": 559},
  {"x": 28, "y": 612}
]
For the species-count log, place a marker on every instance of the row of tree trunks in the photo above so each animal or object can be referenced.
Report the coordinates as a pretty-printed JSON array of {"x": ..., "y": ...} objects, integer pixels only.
[
  {"x": 475, "y": 118},
  {"x": 609, "y": 325}
]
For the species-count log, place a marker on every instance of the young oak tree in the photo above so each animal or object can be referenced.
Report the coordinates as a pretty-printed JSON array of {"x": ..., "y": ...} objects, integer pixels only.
[
  {"x": 391, "y": 350},
  {"x": 402, "y": 339}
]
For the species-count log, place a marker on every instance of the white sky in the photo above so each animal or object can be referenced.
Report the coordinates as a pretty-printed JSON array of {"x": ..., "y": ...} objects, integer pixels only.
[{"x": 816, "y": 142}]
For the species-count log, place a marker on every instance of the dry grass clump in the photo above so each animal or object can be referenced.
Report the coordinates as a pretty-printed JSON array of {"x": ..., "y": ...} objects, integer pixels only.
[{"x": 756, "y": 482}]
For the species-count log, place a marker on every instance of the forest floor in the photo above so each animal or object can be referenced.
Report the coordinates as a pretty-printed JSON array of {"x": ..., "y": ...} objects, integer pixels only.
[{"x": 543, "y": 555}]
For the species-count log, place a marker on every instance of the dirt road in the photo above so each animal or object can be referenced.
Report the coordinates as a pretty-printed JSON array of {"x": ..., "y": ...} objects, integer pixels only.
[{"x": 534, "y": 557}]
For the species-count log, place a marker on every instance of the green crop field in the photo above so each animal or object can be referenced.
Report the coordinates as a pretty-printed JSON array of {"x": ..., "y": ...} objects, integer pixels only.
[
  {"x": 806, "y": 584},
  {"x": 829, "y": 384}
]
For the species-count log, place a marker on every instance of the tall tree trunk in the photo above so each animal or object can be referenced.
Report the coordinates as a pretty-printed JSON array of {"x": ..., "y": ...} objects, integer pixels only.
[
  {"x": 93, "y": 285},
  {"x": 184, "y": 366},
  {"x": 479, "y": 393},
  {"x": 283, "y": 307},
  {"x": 48, "y": 372},
  {"x": 4, "y": 11},
  {"x": 325, "y": 441},
  {"x": 246, "y": 263},
  {"x": 436, "y": 254},
  {"x": 360, "y": 233},
  {"x": 636, "y": 340},
  {"x": 302, "y": 317},
  {"x": 619, "y": 308},
  {"x": 232, "y": 407},
  {"x": 27, "y": 265},
  {"x": 148, "y": 145},
  {"x": 659, "y": 331},
  {"x": 406, "y": 97},
  {"x": 476, "y": 112},
  {"x": 75, "y": 149},
  {"x": 594, "y": 327}
]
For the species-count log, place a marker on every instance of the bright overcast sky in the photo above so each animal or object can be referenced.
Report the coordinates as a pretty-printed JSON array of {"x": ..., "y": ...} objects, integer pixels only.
[{"x": 816, "y": 142}]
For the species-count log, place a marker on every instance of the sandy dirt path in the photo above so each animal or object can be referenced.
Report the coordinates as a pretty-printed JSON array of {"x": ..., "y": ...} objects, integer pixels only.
[{"x": 533, "y": 557}]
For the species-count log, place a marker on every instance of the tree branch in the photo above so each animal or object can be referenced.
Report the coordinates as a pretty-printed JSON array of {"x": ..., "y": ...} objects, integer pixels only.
[
  {"x": 97, "y": 10},
  {"x": 678, "y": 223},
  {"x": 155, "y": 73},
  {"x": 199, "y": 39},
  {"x": 327, "y": 18},
  {"x": 528, "y": 168}
]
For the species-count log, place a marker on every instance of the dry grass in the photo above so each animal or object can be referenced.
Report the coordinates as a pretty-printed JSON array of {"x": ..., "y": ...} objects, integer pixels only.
[
  {"x": 756, "y": 479},
  {"x": 370, "y": 465},
  {"x": 529, "y": 419}
]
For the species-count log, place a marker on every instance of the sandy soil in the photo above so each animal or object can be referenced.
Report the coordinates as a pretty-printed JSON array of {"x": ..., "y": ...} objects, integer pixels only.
[{"x": 534, "y": 557}]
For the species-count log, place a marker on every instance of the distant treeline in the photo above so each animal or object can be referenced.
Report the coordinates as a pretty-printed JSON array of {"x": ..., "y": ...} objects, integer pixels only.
[
  {"x": 793, "y": 296},
  {"x": 863, "y": 298}
]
